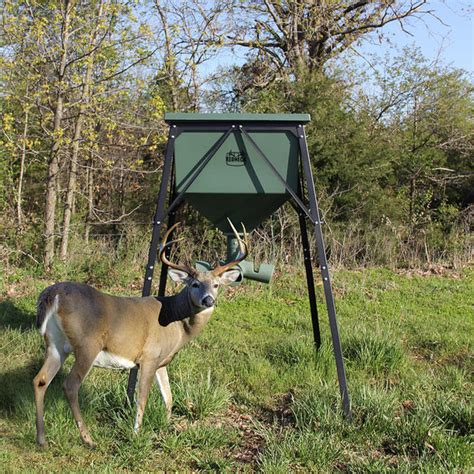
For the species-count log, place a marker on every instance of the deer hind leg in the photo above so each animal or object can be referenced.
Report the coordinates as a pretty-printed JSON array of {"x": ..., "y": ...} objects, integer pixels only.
[
  {"x": 56, "y": 346},
  {"x": 163, "y": 383},
  {"x": 146, "y": 374},
  {"x": 51, "y": 366},
  {"x": 85, "y": 357}
]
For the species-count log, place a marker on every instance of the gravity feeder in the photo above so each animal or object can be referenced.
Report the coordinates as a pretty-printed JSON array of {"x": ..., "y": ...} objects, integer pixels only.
[{"x": 243, "y": 167}]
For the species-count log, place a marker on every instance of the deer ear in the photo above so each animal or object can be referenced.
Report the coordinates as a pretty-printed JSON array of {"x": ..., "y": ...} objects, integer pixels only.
[
  {"x": 177, "y": 275},
  {"x": 230, "y": 276}
]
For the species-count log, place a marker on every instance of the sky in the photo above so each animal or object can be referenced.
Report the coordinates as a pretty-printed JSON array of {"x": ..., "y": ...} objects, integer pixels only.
[{"x": 449, "y": 33}]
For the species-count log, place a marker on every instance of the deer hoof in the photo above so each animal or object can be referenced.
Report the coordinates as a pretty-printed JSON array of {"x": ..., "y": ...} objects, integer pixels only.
[
  {"x": 88, "y": 441},
  {"x": 42, "y": 444}
]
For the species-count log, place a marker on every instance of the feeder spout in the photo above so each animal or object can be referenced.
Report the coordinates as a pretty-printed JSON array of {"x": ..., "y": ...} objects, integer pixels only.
[
  {"x": 233, "y": 247},
  {"x": 264, "y": 272}
]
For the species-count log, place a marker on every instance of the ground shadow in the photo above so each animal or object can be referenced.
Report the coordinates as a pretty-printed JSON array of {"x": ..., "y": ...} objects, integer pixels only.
[
  {"x": 17, "y": 395},
  {"x": 16, "y": 389},
  {"x": 14, "y": 317}
]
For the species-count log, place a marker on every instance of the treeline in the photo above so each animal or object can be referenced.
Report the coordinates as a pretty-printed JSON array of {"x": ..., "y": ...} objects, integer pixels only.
[{"x": 85, "y": 86}]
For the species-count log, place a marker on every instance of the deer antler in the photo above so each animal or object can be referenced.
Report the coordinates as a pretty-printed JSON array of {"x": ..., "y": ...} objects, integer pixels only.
[
  {"x": 164, "y": 244},
  {"x": 243, "y": 251}
]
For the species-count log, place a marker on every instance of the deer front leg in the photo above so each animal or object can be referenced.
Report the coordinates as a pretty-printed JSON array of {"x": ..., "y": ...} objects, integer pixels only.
[
  {"x": 163, "y": 383},
  {"x": 84, "y": 360},
  {"x": 145, "y": 380},
  {"x": 52, "y": 364}
]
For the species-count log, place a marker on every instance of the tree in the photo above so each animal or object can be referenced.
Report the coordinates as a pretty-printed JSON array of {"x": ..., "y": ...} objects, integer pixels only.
[
  {"x": 68, "y": 64},
  {"x": 62, "y": 49},
  {"x": 428, "y": 111},
  {"x": 191, "y": 30},
  {"x": 298, "y": 37},
  {"x": 95, "y": 40}
]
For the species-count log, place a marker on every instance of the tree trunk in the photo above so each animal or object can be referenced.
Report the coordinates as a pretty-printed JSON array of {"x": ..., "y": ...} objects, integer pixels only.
[
  {"x": 414, "y": 172},
  {"x": 90, "y": 197},
  {"x": 53, "y": 160},
  {"x": 19, "y": 211},
  {"x": 71, "y": 187},
  {"x": 170, "y": 63},
  {"x": 411, "y": 209},
  {"x": 195, "y": 100},
  {"x": 84, "y": 102}
]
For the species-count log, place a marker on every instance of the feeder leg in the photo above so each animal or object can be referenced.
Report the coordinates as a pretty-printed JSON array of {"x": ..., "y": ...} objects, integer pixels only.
[
  {"x": 170, "y": 223},
  {"x": 336, "y": 343},
  {"x": 310, "y": 280},
  {"x": 164, "y": 268},
  {"x": 157, "y": 223}
]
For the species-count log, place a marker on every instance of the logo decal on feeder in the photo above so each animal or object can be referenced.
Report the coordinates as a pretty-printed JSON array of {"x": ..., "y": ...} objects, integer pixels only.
[{"x": 235, "y": 158}]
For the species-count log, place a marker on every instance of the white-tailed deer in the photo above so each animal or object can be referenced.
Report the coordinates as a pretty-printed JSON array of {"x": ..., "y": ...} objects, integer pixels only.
[{"x": 119, "y": 332}]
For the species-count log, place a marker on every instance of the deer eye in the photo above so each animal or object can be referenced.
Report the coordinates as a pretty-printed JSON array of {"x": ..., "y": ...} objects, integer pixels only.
[
  {"x": 195, "y": 284},
  {"x": 216, "y": 285}
]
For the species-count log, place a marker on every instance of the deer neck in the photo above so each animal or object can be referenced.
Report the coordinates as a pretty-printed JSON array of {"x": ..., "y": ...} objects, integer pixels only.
[{"x": 179, "y": 309}]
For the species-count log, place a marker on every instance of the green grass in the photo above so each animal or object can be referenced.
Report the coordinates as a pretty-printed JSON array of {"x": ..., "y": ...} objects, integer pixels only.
[{"x": 252, "y": 394}]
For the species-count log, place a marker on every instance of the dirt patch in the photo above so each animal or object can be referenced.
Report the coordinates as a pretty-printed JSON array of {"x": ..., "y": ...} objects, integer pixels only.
[
  {"x": 280, "y": 411},
  {"x": 463, "y": 359},
  {"x": 252, "y": 443},
  {"x": 432, "y": 270}
]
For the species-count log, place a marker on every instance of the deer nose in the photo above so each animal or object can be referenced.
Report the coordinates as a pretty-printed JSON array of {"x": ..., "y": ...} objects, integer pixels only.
[{"x": 208, "y": 301}]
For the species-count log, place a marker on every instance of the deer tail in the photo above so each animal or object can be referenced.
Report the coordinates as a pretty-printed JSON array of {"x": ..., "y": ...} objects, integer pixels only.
[{"x": 46, "y": 305}]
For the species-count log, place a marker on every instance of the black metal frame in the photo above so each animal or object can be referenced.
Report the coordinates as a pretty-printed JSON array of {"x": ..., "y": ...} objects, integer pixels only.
[{"x": 298, "y": 200}]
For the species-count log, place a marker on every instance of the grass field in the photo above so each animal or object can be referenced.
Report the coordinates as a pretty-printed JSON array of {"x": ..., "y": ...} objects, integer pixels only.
[{"x": 251, "y": 393}]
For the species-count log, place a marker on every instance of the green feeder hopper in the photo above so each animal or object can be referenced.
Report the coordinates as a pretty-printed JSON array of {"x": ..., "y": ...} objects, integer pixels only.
[
  {"x": 236, "y": 182},
  {"x": 244, "y": 167}
]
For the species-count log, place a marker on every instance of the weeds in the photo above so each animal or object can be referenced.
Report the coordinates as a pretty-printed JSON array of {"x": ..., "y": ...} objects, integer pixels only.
[
  {"x": 199, "y": 397},
  {"x": 377, "y": 354}
]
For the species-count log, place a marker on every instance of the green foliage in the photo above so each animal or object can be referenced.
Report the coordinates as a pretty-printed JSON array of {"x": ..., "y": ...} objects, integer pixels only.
[
  {"x": 393, "y": 162},
  {"x": 391, "y": 149}
]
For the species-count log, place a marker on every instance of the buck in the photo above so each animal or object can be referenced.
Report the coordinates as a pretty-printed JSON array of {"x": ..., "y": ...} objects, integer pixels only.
[{"x": 124, "y": 332}]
